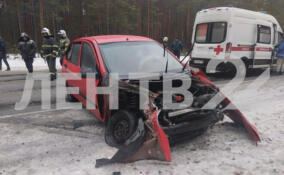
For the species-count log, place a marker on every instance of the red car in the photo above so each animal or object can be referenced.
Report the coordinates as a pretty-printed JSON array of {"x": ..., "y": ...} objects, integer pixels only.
[{"x": 143, "y": 134}]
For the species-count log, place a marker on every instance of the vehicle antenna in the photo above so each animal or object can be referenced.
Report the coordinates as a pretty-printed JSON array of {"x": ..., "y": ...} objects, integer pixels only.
[
  {"x": 166, "y": 71},
  {"x": 165, "y": 40}
]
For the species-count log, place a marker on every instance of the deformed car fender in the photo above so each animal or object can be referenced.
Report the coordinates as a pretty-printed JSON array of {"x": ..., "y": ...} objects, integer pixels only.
[
  {"x": 161, "y": 137},
  {"x": 233, "y": 113},
  {"x": 238, "y": 117},
  {"x": 154, "y": 146},
  {"x": 155, "y": 143}
]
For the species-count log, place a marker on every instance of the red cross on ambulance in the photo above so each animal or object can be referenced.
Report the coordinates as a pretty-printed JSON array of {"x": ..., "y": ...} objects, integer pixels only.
[{"x": 218, "y": 50}]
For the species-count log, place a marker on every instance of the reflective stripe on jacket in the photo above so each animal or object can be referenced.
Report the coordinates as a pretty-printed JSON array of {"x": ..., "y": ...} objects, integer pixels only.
[
  {"x": 49, "y": 47},
  {"x": 63, "y": 45}
]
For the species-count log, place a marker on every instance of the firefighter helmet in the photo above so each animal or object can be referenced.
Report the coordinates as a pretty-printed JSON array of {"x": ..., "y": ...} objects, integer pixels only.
[{"x": 45, "y": 30}]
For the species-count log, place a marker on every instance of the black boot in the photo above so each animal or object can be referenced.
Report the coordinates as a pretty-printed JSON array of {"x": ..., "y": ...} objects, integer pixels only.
[{"x": 52, "y": 77}]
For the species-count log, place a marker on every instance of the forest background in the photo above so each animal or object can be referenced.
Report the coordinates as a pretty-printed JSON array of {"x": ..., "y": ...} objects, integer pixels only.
[{"x": 151, "y": 18}]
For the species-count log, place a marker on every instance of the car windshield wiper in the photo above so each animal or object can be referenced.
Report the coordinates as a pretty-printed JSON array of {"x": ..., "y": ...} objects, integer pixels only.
[{"x": 166, "y": 71}]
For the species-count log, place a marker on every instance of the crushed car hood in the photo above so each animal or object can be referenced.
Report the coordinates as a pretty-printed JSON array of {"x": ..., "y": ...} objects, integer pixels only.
[{"x": 153, "y": 139}]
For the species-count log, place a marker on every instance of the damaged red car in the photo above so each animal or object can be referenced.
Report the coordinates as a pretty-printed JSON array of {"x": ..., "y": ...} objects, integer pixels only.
[{"x": 145, "y": 133}]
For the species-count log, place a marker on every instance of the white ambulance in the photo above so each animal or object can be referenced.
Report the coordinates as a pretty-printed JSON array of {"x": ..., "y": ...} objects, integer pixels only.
[{"x": 225, "y": 33}]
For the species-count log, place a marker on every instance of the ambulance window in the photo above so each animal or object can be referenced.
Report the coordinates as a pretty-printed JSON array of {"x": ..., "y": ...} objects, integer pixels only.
[
  {"x": 218, "y": 32},
  {"x": 275, "y": 39},
  {"x": 201, "y": 33},
  {"x": 214, "y": 32},
  {"x": 280, "y": 37},
  {"x": 264, "y": 34}
]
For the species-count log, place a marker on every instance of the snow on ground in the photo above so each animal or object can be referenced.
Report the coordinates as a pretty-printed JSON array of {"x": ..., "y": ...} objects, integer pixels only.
[
  {"x": 17, "y": 63},
  {"x": 46, "y": 143}
]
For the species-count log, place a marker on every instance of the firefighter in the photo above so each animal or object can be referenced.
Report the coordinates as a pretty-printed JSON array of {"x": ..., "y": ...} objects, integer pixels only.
[
  {"x": 27, "y": 48},
  {"x": 280, "y": 57},
  {"x": 49, "y": 51},
  {"x": 63, "y": 44},
  {"x": 3, "y": 55},
  {"x": 176, "y": 47}
]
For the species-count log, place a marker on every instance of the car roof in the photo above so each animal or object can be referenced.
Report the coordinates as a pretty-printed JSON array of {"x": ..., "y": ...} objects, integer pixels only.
[{"x": 115, "y": 38}]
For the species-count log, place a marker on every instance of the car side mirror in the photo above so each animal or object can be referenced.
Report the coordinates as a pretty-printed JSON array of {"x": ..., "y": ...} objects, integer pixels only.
[{"x": 90, "y": 72}]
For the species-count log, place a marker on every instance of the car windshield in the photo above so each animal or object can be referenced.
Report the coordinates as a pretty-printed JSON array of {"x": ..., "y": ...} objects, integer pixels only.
[{"x": 137, "y": 57}]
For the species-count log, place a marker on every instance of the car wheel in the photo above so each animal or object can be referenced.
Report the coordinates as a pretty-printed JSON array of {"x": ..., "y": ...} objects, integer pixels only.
[{"x": 120, "y": 127}]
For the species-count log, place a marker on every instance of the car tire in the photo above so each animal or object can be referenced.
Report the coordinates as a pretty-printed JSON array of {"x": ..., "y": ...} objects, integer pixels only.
[{"x": 120, "y": 127}]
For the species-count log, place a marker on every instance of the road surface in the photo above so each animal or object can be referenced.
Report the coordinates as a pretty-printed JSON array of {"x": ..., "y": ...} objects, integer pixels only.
[{"x": 36, "y": 141}]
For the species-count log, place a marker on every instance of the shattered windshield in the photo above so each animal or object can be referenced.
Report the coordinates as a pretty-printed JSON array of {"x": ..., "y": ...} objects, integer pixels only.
[{"x": 137, "y": 57}]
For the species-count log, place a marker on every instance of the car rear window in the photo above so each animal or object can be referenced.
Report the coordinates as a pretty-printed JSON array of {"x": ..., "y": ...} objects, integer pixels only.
[{"x": 214, "y": 32}]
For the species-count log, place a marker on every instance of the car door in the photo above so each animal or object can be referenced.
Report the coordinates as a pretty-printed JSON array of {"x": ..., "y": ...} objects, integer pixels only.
[
  {"x": 263, "y": 47},
  {"x": 88, "y": 65},
  {"x": 209, "y": 40},
  {"x": 71, "y": 65}
]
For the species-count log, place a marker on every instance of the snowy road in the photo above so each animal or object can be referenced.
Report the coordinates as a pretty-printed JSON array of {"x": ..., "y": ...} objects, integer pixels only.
[{"x": 45, "y": 142}]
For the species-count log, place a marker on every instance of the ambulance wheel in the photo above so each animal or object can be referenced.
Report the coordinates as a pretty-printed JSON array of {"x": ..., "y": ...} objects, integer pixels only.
[
  {"x": 246, "y": 62},
  {"x": 231, "y": 70},
  {"x": 120, "y": 127}
]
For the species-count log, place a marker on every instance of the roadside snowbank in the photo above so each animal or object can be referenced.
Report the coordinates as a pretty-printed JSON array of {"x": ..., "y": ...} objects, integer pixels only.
[{"x": 17, "y": 63}]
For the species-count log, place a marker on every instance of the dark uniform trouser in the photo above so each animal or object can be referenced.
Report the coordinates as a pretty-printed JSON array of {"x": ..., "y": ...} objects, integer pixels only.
[
  {"x": 280, "y": 65},
  {"x": 3, "y": 57},
  {"x": 51, "y": 62},
  {"x": 61, "y": 59},
  {"x": 177, "y": 53},
  {"x": 29, "y": 63}
]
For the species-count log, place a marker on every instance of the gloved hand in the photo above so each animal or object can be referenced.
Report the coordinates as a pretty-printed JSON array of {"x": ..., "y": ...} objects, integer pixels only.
[
  {"x": 42, "y": 56},
  {"x": 55, "y": 52}
]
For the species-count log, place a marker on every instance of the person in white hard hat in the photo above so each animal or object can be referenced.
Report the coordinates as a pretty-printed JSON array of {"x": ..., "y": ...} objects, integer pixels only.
[
  {"x": 63, "y": 44},
  {"x": 49, "y": 51}
]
